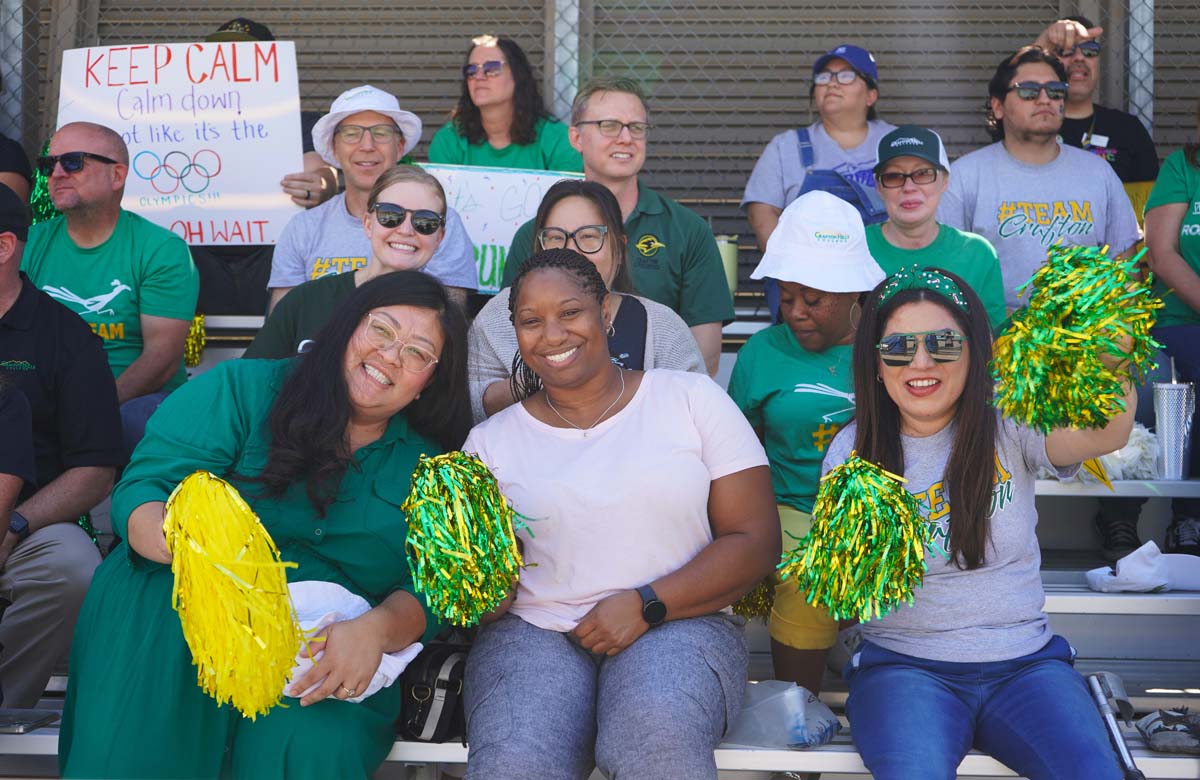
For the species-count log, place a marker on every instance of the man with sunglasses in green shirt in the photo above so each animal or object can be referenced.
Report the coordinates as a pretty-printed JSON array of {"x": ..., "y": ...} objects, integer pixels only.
[{"x": 1117, "y": 136}]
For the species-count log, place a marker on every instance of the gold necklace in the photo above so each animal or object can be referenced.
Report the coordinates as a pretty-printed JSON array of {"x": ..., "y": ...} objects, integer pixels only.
[{"x": 621, "y": 375}]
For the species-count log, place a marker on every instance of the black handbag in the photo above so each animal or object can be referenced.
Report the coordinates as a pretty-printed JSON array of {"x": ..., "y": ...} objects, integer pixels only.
[{"x": 432, "y": 686}]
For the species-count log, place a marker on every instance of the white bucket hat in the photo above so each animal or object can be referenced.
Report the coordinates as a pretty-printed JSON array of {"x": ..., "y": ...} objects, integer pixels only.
[
  {"x": 364, "y": 98},
  {"x": 820, "y": 243}
]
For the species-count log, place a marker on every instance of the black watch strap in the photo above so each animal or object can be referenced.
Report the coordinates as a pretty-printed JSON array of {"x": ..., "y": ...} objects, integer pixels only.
[
  {"x": 654, "y": 612},
  {"x": 18, "y": 524}
]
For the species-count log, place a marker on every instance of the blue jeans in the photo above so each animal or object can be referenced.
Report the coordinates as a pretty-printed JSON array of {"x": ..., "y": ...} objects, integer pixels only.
[
  {"x": 915, "y": 719},
  {"x": 540, "y": 707},
  {"x": 135, "y": 413}
]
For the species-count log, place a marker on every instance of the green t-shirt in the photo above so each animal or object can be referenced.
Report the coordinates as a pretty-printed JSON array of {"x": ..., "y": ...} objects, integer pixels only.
[
  {"x": 672, "y": 255},
  {"x": 798, "y": 400},
  {"x": 299, "y": 316},
  {"x": 141, "y": 269},
  {"x": 1179, "y": 182},
  {"x": 969, "y": 255},
  {"x": 550, "y": 150}
]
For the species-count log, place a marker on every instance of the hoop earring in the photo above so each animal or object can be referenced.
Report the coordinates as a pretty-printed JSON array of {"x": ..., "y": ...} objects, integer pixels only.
[
  {"x": 879, "y": 379},
  {"x": 855, "y": 321},
  {"x": 522, "y": 382},
  {"x": 612, "y": 330}
]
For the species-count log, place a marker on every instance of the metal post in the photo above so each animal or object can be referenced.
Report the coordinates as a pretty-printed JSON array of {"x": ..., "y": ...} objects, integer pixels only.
[
  {"x": 1141, "y": 61},
  {"x": 564, "y": 30}
]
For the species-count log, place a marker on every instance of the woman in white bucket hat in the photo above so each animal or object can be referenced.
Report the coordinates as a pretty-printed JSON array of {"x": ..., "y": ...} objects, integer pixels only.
[{"x": 793, "y": 382}]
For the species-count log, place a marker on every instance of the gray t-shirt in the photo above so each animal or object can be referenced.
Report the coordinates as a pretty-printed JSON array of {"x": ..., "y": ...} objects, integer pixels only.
[
  {"x": 778, "y": 175},
  {"x": 993, "y": 613},
  {"x": 1023, "y": 209},
  {"x": 328, "y": 240}
]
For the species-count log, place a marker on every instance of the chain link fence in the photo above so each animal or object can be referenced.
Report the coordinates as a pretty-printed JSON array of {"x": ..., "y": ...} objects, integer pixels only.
[{"x": 723, "y": 77}]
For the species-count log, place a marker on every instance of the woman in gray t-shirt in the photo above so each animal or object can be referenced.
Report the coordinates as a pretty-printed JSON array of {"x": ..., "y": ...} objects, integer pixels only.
[{"x": 972, "y": 661}]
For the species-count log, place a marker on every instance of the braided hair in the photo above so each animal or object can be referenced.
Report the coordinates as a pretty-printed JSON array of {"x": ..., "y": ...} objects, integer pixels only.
[{"x": 523, "y": 381}]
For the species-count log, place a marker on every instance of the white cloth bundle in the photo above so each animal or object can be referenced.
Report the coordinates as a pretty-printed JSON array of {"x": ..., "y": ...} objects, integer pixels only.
[
  {"x": 1147, "y": 569},
  {"x": 319, "y": 604}
]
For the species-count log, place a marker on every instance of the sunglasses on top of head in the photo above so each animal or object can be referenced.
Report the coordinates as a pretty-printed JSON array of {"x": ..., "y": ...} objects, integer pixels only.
[
  {"x": 71, "y": 162},
  {"x": 1089, "y": 49},
  {"x": 900, "y": 349},
  {"x": 424, "y": 221},
  {"x": 1028, "y": 90},
  {"x": 489, "y": 69}
]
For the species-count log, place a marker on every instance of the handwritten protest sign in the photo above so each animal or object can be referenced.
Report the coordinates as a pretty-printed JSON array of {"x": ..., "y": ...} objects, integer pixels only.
[
  {"x": 493, "y": 203},
  {"x": 211, "y": 129}
]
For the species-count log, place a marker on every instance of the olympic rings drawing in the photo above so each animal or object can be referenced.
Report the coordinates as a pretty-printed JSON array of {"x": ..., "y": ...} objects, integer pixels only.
[{"x": 195, "y": 173}]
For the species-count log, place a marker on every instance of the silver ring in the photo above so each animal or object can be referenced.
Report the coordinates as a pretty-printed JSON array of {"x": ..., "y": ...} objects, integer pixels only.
[{"x": 349, "y": 691}]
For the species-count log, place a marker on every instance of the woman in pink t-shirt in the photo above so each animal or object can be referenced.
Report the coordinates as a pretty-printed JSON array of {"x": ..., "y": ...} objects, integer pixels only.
[{"x": 650, "y": 510}]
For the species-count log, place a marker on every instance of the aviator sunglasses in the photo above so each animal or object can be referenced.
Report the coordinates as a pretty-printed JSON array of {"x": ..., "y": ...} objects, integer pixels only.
[
  {"x": 1028, "y": 90},
  {"x": 489, "y": 69},
  {"x": 72, "y": 162},
  {"x": 900, "y": 349},
  {"x": 1089, "y": 49},
  {"x": 424, "y": 221}
]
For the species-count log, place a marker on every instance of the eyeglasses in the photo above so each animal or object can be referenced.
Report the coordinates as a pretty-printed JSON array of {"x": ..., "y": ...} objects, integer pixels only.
[
  {"x": 827, "y": 77},
  {"x": 1028, "y": 90},
  {"x": 382, "y": 336},
  {"x": 611, "y": 128},
  {"x": 899, "y": 349},
  {"x": 894, "y": 179},
  {"x": 490, "y": 69},
  {"x": 424, "y": 221},
  {"x": 1089, "y": 49},
  {"x": 588, "y": 239},
  {"x": 72, "y": 162},
  {"x": 383, "y": 134}
]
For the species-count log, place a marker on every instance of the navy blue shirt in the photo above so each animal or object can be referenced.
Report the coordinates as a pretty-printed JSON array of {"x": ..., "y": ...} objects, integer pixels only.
[{"x": 16, "y": 430}]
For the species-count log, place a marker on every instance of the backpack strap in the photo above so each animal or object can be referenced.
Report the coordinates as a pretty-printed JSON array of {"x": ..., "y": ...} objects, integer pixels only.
[{"x": 807, "y": 156}]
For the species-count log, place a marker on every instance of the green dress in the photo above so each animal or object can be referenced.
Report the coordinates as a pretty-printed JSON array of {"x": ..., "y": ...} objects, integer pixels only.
[{"x": 133, "y": 708}]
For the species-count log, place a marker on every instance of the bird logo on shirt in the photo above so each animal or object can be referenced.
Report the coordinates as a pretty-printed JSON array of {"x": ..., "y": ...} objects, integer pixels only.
[{"x": 649, "y": 245}]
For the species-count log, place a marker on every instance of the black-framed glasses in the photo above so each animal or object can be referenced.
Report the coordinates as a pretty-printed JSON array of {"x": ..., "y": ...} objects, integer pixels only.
[
  {"x": 588, "y": 239},
  {"x": 900, "y": 349},
  {"x": 827, "y": 77},
  {"x": 424, "y": 221},
  {"x": 611, "y": 128},
  {"x": 71, "y": 162},
  {"x": 382, "y": 336},
  {"x": 490, "y": 69},
  {"x": 895, "y": 179},
  {"x": 1089, "y": 49},
  {"x": 382, "y": 133},
  {"x": 1028, "y": 90}
]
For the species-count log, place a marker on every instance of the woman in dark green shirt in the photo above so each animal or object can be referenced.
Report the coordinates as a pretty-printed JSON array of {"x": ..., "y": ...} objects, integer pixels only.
[{"x": 322, "y": 448}]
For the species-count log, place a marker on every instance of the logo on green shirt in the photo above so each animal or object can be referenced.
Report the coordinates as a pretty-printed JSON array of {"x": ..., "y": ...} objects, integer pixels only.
[
  {"x": 649, "y": 245},
  {"x": 17, "y": 365}
]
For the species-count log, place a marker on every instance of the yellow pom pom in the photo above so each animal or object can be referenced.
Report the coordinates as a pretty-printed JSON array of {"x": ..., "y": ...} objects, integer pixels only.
[
  {"x": 231, "y": 594},
  {"x": 193, "y": 346}
]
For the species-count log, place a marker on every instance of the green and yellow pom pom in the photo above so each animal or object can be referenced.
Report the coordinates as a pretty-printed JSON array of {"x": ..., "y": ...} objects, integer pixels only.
[
  {"x": 462, "y": 545},
  {"x": 1048, "y": 365},
  {"x": 757, "y": 604},
  {"x": 193, "y": 347},
  {"x": 231, "y": 594},
  {"x": 865, "y": 554}
]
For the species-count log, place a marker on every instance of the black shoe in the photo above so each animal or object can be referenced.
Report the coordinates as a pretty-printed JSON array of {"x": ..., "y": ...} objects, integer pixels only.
[
  {"x": 1183, "y": 535},
  {"x": 1118, "y": 535}
]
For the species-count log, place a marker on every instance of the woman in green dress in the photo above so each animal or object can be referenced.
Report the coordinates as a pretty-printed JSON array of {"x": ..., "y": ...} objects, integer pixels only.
[{"x": 322, "y": 448}]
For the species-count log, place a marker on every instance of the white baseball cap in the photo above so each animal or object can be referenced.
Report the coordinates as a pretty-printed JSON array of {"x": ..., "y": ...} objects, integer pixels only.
[
  {"x": 820, "y": 243},
  {"x": 358, "y": 99}
]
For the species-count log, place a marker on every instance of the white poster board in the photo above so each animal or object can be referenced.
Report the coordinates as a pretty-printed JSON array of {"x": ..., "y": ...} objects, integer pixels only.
[
  {"x": 493, "y": 203},
  {"x": 211, "y": 129}
]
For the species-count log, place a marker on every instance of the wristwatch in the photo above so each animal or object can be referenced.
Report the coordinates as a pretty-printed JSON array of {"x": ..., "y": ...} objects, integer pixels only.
[
  {"x": 17, "y": 524},
  {"x": 654, "y": 612}
]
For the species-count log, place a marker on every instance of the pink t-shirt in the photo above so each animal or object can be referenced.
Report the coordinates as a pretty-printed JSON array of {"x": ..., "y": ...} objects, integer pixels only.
[{"x": 622, "y": 506}]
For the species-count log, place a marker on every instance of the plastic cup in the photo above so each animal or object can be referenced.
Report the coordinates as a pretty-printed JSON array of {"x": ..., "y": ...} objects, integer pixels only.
[{"x": 1174, "y": 407}]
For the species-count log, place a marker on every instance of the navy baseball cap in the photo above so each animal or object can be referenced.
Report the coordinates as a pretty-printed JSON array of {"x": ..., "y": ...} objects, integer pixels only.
[
  {"x": 860, "y": 59},
  {"x": 14, "y": 214}
]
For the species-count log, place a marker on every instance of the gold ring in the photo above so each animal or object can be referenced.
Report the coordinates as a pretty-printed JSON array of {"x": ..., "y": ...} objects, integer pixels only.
[{"x": 349, "y": 691}]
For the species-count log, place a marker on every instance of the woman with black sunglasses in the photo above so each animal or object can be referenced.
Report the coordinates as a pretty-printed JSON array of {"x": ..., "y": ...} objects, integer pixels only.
[
  {"x": 972, "y": 662},
  {"x": 405, "y": 222},
  {"x": 500, "y": 120}
]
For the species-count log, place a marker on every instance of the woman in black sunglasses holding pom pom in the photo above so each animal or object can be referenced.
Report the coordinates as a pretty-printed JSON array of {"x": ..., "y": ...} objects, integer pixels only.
[{"x": 405, "y": 222}]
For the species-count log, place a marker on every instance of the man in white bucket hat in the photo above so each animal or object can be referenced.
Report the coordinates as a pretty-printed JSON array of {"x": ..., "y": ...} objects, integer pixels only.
[
  {"x": 794, "y": 383},
  {"x": 364, "y": 134}
]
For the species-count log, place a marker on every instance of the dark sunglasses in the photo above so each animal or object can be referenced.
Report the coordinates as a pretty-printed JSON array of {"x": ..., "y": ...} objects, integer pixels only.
[
  {"x": 1028, "y": 90},
  {"x": 71, "y": 162},
  {"x": 490, "y": 69},
  {"x": 1089, "y": 49},
  {"x": 900, "y": 349},
  {"x": 895, "y": 179},
  {"x": 424, "y": 221}
]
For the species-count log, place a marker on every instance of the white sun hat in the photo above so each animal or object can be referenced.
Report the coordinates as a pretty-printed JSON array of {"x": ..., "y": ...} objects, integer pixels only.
[
  {"x": 358, "y": 99},
  {"x": 820, "y": 243}
]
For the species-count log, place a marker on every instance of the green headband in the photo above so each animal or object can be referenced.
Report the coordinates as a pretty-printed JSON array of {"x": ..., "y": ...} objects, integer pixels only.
[{"x": 914, "y": 278}]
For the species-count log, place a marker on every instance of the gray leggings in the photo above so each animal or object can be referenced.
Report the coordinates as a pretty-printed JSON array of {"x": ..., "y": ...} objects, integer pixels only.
[{"x": 539, "y": 707}]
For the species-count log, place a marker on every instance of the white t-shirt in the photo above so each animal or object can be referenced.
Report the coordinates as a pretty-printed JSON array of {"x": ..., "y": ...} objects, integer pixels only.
[
  {"x": 622, "y": 506},
  {"x": 327, "y": 240}
]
